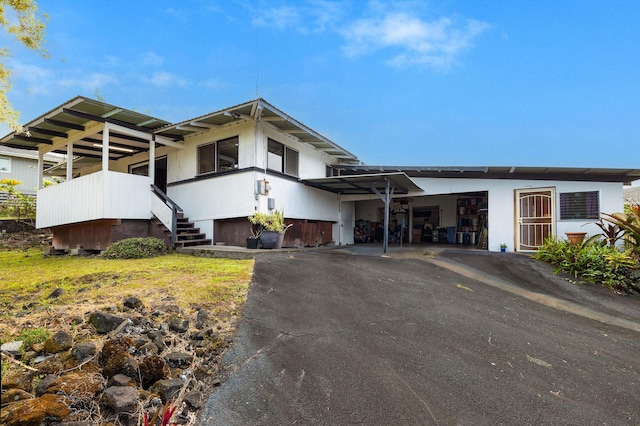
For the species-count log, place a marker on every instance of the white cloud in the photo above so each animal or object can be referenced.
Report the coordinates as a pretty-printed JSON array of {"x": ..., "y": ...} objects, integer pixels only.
[
  {"x": 166, "y": 79},
  {"x": 214, "y": 84},
  {"x": 151, "y": 59},
  {"x": 88, "y": 83},
  {"x": 305, "y": 17},
  {"x": 278, "y": 17},
  {"x": 414, "y": 40},
  {"x": 36, "y": 80}
]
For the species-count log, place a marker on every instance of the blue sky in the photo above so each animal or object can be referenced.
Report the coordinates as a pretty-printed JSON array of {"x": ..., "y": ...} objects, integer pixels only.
[{"x": 440, "y": 83}]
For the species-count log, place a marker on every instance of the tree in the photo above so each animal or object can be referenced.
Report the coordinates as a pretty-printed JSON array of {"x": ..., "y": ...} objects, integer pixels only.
[{"x": 20, "y": 19}]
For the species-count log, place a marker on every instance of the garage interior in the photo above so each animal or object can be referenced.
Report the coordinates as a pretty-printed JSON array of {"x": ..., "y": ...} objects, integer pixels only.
[{"x": 455, "y": 219}]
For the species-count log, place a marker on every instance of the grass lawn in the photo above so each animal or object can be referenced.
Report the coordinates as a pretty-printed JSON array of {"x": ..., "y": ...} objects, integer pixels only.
[{"x": 27, "y": 279}]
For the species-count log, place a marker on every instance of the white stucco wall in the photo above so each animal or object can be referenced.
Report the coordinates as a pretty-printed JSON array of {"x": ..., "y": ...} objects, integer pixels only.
[
  {"x": 234, "y": 195},
  {"x": 501, "y": 203}
]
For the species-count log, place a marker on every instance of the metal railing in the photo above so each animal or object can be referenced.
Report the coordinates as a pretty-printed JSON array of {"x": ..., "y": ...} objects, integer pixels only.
[{"x": 172, "y": 223}]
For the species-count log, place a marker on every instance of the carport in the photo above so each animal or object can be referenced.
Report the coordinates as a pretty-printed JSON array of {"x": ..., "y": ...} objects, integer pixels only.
[{"x": 384, "y": 185}]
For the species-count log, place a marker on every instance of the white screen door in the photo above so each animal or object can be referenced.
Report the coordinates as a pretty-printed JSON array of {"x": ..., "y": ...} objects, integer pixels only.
[{"x": 535, "y": 212}]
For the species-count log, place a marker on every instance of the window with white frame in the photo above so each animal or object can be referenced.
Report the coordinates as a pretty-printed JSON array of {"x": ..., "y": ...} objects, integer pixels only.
[
  {"x": 281, "y": 158},
  {"x": 218, "y": 156},
  {"x": 579, "y": 205},
  {"x": 5, "y": 165}
]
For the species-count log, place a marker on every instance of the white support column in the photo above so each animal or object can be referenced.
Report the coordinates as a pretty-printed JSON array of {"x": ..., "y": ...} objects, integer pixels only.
[
  {"x": 105, "y": 148},
  {"x": 152, "y": 158},
  {"x": 40, "y": 167},
  {"x": 69, "y": 161}
]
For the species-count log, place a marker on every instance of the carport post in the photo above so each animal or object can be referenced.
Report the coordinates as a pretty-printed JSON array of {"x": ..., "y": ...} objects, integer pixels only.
[
  {"x": 387, "y": 198},
  {"x": 388, "y": 192}
]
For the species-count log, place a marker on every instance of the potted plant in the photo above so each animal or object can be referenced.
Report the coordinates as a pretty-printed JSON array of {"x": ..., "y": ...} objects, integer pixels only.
[
  {"x": 503, "y": 247},
  {"x": 252, "y": 241},
  {"x": 271, "y": 227}
]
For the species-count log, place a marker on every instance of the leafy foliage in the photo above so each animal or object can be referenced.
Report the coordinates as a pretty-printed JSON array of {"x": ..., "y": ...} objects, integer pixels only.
[
  {"x": 17, "y": 205},
  {"x": 630, "y": 225},
  {"x": 29, "y": 336},
  {"x": 594, "y": 263},
  {"x": 135, "y": 248},
  {"x": 19, "y": 18},
  {"x": 611, "y": 233},
  {"x": 273, "y": 221}
]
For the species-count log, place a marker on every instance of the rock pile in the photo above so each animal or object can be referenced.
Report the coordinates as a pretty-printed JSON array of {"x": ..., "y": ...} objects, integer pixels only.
[{"x": 112, "y": 368}]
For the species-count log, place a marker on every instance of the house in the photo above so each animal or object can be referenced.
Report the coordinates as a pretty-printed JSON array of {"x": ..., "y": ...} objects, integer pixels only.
[
  {"x": 632, "y": 195},
  {"x": 195, "y": 182},
  {"x": 22, "y": 165}
]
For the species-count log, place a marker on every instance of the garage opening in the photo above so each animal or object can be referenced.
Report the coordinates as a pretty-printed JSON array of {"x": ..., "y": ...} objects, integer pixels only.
[{"x": 457, "y": 219}]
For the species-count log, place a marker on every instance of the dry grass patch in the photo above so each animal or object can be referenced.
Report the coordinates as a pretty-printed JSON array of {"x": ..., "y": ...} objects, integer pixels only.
[{"x": 86, "y": 284}]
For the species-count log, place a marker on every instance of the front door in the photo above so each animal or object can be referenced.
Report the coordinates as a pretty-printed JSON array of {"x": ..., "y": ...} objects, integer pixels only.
[
  {"x": 160, "y": 173},
  {"x": 535, "y": 213}
]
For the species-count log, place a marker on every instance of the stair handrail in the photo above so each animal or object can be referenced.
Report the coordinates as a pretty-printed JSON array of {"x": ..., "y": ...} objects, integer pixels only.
[{"x": 175, "y": 208}]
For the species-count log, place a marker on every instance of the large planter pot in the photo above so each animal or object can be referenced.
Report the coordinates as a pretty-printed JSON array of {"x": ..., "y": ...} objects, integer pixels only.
[
  {"x": 269, "y": 239},
  {"x": 575, "y": 237},
  {"x": 252, "y": 243}
]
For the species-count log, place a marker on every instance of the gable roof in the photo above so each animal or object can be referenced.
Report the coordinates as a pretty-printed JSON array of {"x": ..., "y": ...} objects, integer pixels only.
[
  {"x": 79, "y": 113},
  {"x": 264, "y": 112}
]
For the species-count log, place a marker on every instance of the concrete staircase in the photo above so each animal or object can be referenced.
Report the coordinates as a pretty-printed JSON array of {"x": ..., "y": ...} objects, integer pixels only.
[{"x": 187, "y": 235}]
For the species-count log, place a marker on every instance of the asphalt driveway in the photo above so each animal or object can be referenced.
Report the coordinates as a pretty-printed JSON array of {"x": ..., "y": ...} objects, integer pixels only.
[{"x": 462, "y": 338}]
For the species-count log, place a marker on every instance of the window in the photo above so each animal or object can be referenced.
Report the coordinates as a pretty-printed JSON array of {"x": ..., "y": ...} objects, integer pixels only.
[
  {"x": 579, "y": 205},
  {"x": 281, "y": 158},
  {"x": 5, "y": 165},
  {"x": 218, "y": 156}
]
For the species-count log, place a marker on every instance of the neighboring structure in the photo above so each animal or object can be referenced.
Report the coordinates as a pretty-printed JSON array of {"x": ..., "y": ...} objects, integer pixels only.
[
  {"x": 132, "y": 174},
  {"x": 632, "y": 194},
  {"x": 22, "y": 165}
]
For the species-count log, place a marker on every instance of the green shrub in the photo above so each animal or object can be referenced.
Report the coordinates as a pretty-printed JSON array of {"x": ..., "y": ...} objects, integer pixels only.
[
  {"x": 594, "y": 263},
  {"x": 17, "y": 205},
  {"x": 135, "y": 248}
]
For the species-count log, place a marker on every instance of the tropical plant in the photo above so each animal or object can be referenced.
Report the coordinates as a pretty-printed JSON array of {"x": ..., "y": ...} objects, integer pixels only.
[
  {"x": 629, "y": 223},
  {"x": 272, "y": 221},
  {"x": 611, "y": 234},
  {"x": 591, "y": 262},
  {"x": 163, "y": 417}
]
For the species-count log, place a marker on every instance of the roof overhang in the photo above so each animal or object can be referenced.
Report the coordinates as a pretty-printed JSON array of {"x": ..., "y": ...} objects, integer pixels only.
[
  {"x": 586, "y": 174},
  {"x": 81, "y": 123},
  {"x": 365, "y": 184},
  {"x": 261, "y": 111}
]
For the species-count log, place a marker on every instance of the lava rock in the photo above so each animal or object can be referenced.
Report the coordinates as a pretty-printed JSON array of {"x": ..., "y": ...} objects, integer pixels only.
[
  {"x": 32, "y": 412},
  {"x": 120, "y": 398},
  {"x": 60, "y": 341},
  {"x": 105, "y": 322},
  {"x": 83, "y": 350},
  {"x": 167, "y": 389},
  {"x": 133, "y": 302},
  {"x": 179, "y": 325}
]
